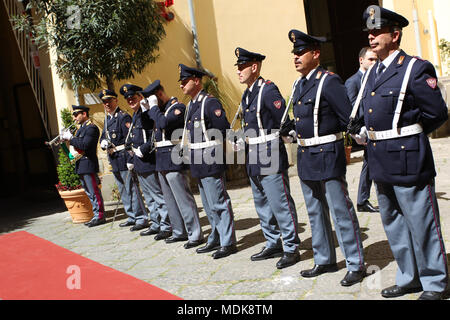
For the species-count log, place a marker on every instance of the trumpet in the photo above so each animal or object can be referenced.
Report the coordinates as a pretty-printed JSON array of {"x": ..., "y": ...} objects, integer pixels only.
[{"x": 57, "y": 140}]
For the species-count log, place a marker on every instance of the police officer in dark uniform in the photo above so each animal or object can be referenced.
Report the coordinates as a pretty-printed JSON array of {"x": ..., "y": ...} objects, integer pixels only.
[
  {"x": 116, "y": 125},
  {"x": 402, "y": 104},
  {"x": 85, "y": 143},
  {"x": 140, "y": 141},
  {"x": 321, "y": 111},
  {"x": 263, "y": 107},
  {"x": 168, "y": 114},
  {"x": 206, "y": 126},
  {"x": 366, "y": 58}
]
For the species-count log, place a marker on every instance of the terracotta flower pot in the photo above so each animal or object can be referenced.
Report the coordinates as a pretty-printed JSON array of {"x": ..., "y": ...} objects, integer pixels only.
[{"x": 78, "y": 204}]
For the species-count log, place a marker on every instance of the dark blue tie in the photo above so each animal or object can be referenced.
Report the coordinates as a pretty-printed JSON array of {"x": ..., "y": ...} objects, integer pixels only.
[
  {"x": 302, "y": 85},
  {"x": 380, "y": 69}
]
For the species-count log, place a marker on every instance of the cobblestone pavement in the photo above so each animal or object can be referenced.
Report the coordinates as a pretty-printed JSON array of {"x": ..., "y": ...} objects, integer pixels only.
[{"x": 197, "y": 276}]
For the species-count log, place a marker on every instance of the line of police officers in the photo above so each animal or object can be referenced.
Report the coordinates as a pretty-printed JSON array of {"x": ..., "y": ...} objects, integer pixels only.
[{"x": 143, "y": 151}]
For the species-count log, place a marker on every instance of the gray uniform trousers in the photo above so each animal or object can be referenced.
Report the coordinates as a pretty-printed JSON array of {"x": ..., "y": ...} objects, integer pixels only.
[
  {"x": 410, "y": 217},
  {"x": 131, "y": 197},
  {"x": 90, "y": 183},
  {"x": 217, "y": 205},
  {"x": 276, "y": 210},
  {"x": 181, "y": 205},
  {"x": 321, "y": 198},
  {"x": 154, "y": 198},
  {"x": 364, "y": 182}
]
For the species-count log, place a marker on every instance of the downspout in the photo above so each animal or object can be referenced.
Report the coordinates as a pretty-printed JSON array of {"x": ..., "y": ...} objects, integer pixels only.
[
  {"x": 417, "y": 30},
  {"x": 434, "y": 46},
  {"x": 194, "y": 34}
]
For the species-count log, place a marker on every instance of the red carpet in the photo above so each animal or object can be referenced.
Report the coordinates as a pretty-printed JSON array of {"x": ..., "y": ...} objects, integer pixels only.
[{"x": 33, "y": 268}]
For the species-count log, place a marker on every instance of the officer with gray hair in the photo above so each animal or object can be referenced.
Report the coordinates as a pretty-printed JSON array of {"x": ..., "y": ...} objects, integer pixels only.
[{"x": 402, "y": 104}]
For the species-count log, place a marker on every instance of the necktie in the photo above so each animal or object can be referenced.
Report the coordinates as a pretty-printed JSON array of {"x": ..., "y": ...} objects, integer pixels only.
[
  {"x": 302, "y": 84},
  {"x": 380, "y": 69}
]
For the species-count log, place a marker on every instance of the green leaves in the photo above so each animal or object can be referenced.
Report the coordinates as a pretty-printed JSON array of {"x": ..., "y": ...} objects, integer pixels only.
[{"x": 97, "y": 39}]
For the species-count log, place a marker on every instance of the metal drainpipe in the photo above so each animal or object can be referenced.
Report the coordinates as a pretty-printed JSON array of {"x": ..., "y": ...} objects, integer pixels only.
[
  {"x": 194, "y": 34},
  {"x": 417, "y": 30}
]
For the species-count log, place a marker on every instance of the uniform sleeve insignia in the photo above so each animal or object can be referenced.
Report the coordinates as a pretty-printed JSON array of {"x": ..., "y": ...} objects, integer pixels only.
[
  {"x": 177, "y": 112},
  {"x": 319, "y": 74},
  {"x": 432, "y": 82},
  {"x": 400, "y": 60},
  {"x": 277, "y": 104},
  {"x": 218, "y": 112},
  {"x": 127, "y": 124}
]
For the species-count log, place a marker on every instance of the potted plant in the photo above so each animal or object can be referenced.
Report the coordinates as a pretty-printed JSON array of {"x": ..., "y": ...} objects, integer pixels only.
[
  {"x": 348, "y": 146},
  {"x": 69, "y": 185}
]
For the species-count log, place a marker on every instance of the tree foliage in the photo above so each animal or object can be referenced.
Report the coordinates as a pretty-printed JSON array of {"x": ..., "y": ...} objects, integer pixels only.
[
  {"x": 68, "y": 179},
  {"x": 95, "y": 40}
]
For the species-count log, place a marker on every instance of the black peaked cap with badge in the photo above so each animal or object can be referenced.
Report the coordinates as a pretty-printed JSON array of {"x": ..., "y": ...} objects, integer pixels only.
[
  {"x": 129, "y": 90},
  {"x": 376, "y": 17},
  {"x": 107, "y": 94},
  {"x": 302, "y": 40},
  {"x": 188, "y": 72},
  {"x": 245, "y": 56},
  {"x": 150, "y": 89},
  {"x": 79, "y": 108}
]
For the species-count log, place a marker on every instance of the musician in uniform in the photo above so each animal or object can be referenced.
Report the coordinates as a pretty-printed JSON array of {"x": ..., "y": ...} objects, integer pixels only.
[
  {"x": 402, "y": 104},
  {"x": 321, "y": 111},
  {"x": 263, "y": 107},
  {"x": 141, "y": 158},
  {"x": 116, "y": 125},
  {"x": 85, "y": 143}
]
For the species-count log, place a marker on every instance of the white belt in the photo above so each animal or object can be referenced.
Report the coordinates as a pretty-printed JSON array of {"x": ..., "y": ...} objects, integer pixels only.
[
  {"x": 392, "y": 133},
  {"x": 203, "y": 145},
  {"x": 319, "y": 140},
  {"x": 263, "y": 139},
  {"x": 166, "y": 143}
]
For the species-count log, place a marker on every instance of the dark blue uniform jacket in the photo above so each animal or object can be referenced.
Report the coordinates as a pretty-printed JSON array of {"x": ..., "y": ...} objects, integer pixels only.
[
  {"x": 405, "y": 160},
  {"x": 85, "y": 140},
  {"x": 327, "y": 160},
  {"x": 117, "y": 132}
]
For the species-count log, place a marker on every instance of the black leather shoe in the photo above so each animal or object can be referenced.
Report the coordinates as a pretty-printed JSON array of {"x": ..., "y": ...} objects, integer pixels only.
[
  {"x": 396, "y": 291},
  {"x": 318, "y": 270},
  {"x": 173, "y": 239},
  {"x": 367, "y": 207},
  {"x": 163, "y": 235},
  {"x": 267, "y": 253},
  {"x": 208, "y": 248},
  {"x": 353, "y": 277},
  {"x": 148, "y": 232},
  {"x": 192, "y": 244},
  {"x": 138, "y": 227},
  {"x": 288, "y": 259},
  {"x": 430, "y": 295},
  {"x": 96, "y": 222},
  {"x": 224, "y": 251},
  {"x": 126, "y": 224}
]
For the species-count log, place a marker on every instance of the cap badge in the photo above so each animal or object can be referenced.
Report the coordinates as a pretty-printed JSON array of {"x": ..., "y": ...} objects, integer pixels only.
[
  {"x": 293, "y": 37},
  {"x": 237, "y": 52}
]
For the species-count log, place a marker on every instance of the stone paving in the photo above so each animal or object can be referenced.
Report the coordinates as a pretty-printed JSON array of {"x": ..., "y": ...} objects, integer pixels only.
[{"x": 197, "y": 276}]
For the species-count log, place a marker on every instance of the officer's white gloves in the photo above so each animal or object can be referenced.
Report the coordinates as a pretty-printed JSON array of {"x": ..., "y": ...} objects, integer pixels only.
[
  {"x": 104, "y": 144},
  {"x": 130, "y": 166},
  {"x": 361, "y": 138},
  {"x": 238, "y": 145},
  {"x": 137, "y": 152},
  {"x": 66, "y": 135},
  {"x": 290, "y": 138},
  {"x": 150, "y": 102}
]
